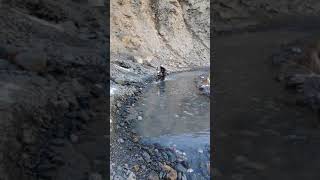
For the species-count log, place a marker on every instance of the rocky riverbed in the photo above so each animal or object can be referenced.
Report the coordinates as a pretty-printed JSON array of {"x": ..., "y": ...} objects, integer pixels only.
[{"x": 135, "y": 156}]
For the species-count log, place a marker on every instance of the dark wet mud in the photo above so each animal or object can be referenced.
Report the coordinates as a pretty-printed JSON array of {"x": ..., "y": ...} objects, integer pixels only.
[{"x": 260, "y": 133}]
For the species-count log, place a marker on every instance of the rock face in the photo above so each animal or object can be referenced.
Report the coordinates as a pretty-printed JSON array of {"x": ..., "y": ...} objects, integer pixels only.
[{"x": 173, "y": 33}]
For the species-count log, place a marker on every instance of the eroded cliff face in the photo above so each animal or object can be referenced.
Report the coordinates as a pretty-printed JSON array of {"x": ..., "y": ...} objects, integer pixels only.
[{"x": 155, "y": 32}]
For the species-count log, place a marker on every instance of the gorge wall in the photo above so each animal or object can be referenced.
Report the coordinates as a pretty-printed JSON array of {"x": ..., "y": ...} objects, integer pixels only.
[{"x": 172, "y": 33}]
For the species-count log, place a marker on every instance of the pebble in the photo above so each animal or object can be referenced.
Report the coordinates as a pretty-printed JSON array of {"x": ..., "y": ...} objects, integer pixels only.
[
  {"x": 190, "y": 170},
  {"x": 139, "y": 118},
  {"x": 136, "y": 168},
  {"x": 146, "y": 157},
  {"x": 120, "y": 140}
]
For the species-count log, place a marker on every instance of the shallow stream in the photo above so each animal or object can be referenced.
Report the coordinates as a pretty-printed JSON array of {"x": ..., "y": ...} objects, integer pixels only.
[{"x": 175, "y": 114}]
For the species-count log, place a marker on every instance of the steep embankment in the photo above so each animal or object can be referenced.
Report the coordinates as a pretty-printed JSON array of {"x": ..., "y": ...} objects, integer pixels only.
[
  {"x": 52, "y": 77},
  {"x": 171, "y": 33}
]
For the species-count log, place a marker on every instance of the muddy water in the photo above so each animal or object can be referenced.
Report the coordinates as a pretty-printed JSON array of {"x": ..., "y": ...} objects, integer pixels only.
[
  {"x": 175, "y": 115},
  {"x": 259, "y": 133}
]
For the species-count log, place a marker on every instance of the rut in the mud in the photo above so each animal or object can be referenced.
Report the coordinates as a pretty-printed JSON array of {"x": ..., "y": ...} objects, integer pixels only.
[{"x": 259, "y": 133}]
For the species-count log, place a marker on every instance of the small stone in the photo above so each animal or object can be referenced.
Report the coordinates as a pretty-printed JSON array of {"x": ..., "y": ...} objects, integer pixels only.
[
  {"x": 138, "y": 59},
  {"x": 139, "y": 118},
  {"x": 120, "y": 140},
  {"x": 190, "y": 170},
  {"x": 135, "y": 138},
  {"x": 171, "y": 173},
  {"x": 146, "y": 157},
  {"x": 136, "y": 168}
]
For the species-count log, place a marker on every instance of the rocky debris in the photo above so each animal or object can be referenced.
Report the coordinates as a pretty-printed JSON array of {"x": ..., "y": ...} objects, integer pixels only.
[
  {"x": 180, "y": 35},
  {"x": 291, "y": 62},
  {"x": 51, "y": 87},
  {"x": 203, "y": 84}
]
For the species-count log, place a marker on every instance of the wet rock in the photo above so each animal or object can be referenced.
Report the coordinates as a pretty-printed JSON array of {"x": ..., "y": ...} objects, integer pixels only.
[
  {"x": 117, "y": 177},
  {"x": 184, "y": 177},
  {"x": 171, "y": 174},
  {"x": 171, "y": 156},
  {"x": 146, "y": 157},
  {"x": 179, "y": 175},
  {"x": 180, "y": 168},
  {"x": 135, "y": 138},
  {"x": 185, "y": 164},
  {"x": 32, "y": 60},
  {"x": 131, "y": 176}
]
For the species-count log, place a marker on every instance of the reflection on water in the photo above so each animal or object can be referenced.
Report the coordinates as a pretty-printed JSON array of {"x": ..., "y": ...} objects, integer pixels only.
[
  {"x": 174, "y": 113},
  {"x": 174, "y": 107}
]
